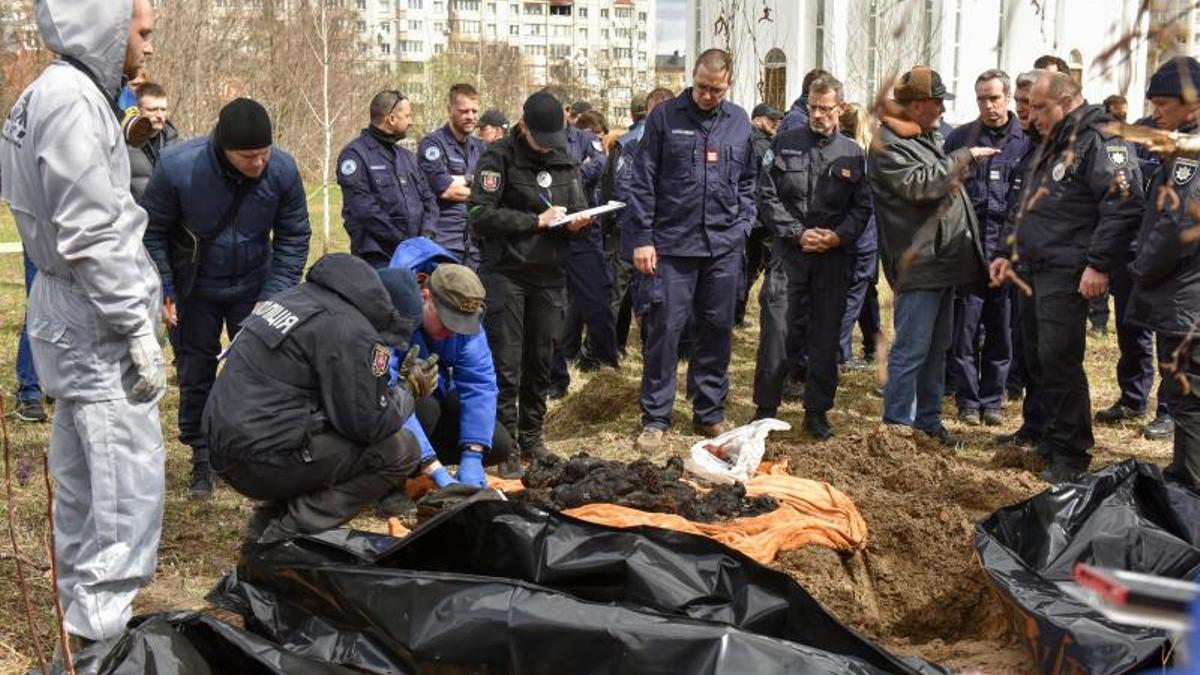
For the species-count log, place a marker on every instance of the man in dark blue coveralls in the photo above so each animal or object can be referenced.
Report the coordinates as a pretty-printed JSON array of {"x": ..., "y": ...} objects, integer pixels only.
[
  {"x": 982, "y": 313},
  {"x": 589, "y": 279},
  {"x": 385, "y": 198},
  {"x": 815, "y": 197},
  {"x": 691, "y": 204},
  {"x": 448, "y": 156}
]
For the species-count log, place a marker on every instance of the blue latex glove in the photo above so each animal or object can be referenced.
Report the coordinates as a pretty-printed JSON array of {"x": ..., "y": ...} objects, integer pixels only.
[
  {"x": 470, "y": 469},
  {"x": 442, "y": 478}
]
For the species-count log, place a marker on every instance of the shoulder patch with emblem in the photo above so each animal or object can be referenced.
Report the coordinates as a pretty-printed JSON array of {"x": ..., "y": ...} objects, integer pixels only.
[
  {"x": 1117, "y": 154},
  {"x": 1184, "y": 171},
  {"x": 348, "y": 167},
  {"x": 489, "y": 180},
  {"x": 433, "y": 153},
  {"x": 597, "y": 145},
  {"x": 379, "y": 360},
  {"x": 768, "y": 157},
  {"x": 1059, "y": 171}
]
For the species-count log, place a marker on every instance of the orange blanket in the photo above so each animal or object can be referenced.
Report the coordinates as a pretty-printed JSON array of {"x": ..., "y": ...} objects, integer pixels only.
[{"x": 809, "y": 513}]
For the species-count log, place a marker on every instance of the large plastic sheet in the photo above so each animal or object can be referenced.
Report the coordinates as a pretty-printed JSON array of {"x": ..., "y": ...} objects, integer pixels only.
[
  {"x": 1125, "y": 517},
  {"x": 499, "y": 587},
  {"x": 189, "y": 643}
]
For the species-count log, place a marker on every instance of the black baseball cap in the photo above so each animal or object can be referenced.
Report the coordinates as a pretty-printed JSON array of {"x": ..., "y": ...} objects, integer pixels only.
[
  {"x": 493, "y": 118},
  {"x": 543, "y": 116},
  {"x": 767, "y": 110},
  {"x": 580, "y": 107}
]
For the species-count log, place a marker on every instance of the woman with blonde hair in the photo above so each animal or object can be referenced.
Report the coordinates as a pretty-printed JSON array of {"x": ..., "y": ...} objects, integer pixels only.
[{"x": 862, "y": 299}]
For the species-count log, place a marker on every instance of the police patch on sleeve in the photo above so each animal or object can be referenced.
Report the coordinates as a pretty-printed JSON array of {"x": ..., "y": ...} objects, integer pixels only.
[
  {"x": 1117, "y": 154},
  {"x": 597, "y": 145},
  {"x": 1059, "y": 171},
  {"x": 348, "y": 167},
  {"x": 379, "y": 360},
  {"x": 433, "y": 153},
  {"x": 768, "y": 157},
  {"x": 489, "y": 180},
  {"x": 1184, "y": 171}
]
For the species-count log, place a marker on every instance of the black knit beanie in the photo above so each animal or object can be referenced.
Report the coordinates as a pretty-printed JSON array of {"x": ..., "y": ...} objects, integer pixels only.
[{"x": 243, "y": 125}]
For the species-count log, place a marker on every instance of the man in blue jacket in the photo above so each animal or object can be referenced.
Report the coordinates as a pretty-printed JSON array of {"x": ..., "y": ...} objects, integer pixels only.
[
  {"x": 385, "y": 197},
  {"x": 457, "y": 423},
  {"x": 691, "y": 204},
  {"x": 980, "y": 375},
  {"x": 797, "y": 115},
  {"x": 448, "y": 156},
  {"x": 228, "y": 227}
]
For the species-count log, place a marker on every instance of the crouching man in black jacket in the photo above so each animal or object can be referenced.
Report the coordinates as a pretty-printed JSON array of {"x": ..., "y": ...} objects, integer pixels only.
[{"x": 301, "y": 415}]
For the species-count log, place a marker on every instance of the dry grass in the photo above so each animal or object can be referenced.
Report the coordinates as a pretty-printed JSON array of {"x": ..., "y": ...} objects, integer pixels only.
[{"x": 601, "y": 414}]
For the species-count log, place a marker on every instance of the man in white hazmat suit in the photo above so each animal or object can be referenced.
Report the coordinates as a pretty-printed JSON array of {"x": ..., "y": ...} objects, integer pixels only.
[{"x": 94, "y": 309}]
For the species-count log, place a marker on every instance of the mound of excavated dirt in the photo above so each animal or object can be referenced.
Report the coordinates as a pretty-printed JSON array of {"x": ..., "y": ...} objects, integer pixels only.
[
  {"x": 560, "y": 484},
  {"x": 917, "y": 586}
]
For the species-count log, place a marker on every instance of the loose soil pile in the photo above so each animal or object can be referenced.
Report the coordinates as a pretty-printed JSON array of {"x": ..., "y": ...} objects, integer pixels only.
[
  {"x": 917, "y": 587},
  {"x": 556, "y": 483}
]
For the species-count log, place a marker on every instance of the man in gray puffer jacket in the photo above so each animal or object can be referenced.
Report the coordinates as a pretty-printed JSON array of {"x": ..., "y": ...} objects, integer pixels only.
[
  {"x": 94, "y": 307},
  {"x": 929, "y": 238}
]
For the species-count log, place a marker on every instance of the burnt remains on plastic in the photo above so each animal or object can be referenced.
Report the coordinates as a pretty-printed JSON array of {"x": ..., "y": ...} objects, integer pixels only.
[{"x": 555, "y": 483}]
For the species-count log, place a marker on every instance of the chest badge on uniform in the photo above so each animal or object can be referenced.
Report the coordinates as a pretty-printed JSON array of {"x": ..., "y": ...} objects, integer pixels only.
[
  {"x": 768, "y": 157},
  {"x": 433, "y": 153},
  {"x": 489, "y": 180},
  {"x": 379, "y": 360},
  {"x": 1184, "y": 171},
  {"x": 544, "y": 179},
  {"x": 349, "y": 167},
  {"x": 1059, "y": 171},
  {"x": 1117, "y": 154}
]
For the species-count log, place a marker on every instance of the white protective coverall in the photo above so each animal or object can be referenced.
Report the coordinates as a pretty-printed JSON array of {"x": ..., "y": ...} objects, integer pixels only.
[{"x": 64, "y": 171}]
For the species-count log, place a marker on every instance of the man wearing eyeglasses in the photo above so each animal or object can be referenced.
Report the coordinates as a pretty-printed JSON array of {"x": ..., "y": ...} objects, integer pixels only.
[
  {"x": 385, "y": 197},
  {"x": 152, "y": 104},
  {"x": 815, "y": 198},
  {"x": 691, "y": 204}
]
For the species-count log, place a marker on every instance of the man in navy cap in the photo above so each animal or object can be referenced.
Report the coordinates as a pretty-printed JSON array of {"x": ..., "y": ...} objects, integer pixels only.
[
  {"x": 228, "y": 228},
  {"x": 448, "y": 156},
  {"x": 691, "y": 205},
  {"x": 385, "y": 197},
  {"x": 1166, "y": 271}
]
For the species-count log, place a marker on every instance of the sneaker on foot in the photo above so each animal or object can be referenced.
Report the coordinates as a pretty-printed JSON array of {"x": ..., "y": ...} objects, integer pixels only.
[
  {"x": 969, "y": 418},
  {"x": 992, "y": 418},
  {"x": 1162, "y": 428},
  {"x": 31, "y": 410},
  {"x": 709, "y": 430},
  {"x": 651, "y": 440}
]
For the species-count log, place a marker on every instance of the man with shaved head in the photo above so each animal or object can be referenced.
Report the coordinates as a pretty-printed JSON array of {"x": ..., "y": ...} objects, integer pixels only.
[
  {"x": 1080, "y": 208},
  {"x": 94, "y": 307}
]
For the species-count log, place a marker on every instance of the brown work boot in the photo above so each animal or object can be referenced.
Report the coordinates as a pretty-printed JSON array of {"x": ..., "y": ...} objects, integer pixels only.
[
  {"x": 651, "y": 440},
  {"x": 709, "y": 430}
]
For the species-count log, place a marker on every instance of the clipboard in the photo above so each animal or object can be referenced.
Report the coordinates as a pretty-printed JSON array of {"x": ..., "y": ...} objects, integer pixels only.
[{"x": 591, "y": 213}]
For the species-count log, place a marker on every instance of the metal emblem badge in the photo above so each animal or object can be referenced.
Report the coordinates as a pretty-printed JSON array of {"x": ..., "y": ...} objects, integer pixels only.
[
  {"x": 1059, "y": 171},
  {"x": 544, "y": 179},
  {"x": 1184, "y": 171}
]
